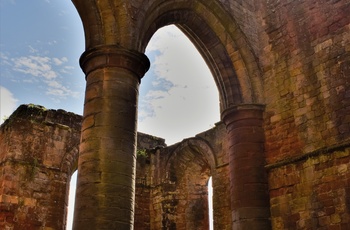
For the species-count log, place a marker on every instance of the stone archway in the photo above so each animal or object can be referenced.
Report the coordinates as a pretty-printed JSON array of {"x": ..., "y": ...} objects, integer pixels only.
[
  {"x": 188, "y": 169},
  {"x": 116, "y": 36},
  {"x": 219, "y": 40}
]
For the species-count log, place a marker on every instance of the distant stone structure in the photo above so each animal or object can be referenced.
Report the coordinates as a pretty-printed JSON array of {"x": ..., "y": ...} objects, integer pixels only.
[{"x": 279, "y": 158}]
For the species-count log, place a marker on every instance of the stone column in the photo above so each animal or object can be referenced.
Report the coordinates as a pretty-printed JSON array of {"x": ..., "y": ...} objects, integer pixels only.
[
  {"x": 107, "y": 160},
  {"x": 248, "y": 185}
]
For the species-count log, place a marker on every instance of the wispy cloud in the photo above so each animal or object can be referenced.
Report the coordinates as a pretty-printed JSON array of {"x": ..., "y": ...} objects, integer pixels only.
[
  {"x": 34, "y": 65},
  {"x": 42, "y": 69},
  {"x": 4, "y": 59},
  {"x": 8, "y": 103},
  {"x": 58, "y": 61},
  {"x": 58, "y": 90},
  {"x": 54, "y": 42}
]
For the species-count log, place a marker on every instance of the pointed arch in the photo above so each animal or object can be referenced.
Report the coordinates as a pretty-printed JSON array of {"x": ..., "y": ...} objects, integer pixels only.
[
  {"x": 220, "y": 41},
  {"x": 189, "y": 166},
  {"x": 207, "y": 24},
  {"x": 197, "y": 146},
  {"x": 108, "y": 23}
]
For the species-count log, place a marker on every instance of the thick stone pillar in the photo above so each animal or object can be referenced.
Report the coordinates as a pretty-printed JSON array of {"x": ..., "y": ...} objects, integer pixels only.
[
  {"x": 107, "y": 159},
  {"x": 248, "y": 185}
]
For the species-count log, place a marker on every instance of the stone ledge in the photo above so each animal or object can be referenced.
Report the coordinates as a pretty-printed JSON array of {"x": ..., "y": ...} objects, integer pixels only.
[{"x": 317, "y": 152}]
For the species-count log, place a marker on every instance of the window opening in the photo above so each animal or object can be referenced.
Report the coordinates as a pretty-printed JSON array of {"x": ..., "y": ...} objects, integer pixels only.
[
  {"x": 71, "y": 200},
  {"x": 210, "y": 203}
]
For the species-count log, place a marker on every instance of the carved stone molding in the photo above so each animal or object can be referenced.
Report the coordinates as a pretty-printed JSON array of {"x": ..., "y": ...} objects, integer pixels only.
[{"x": 114, "y": 56}]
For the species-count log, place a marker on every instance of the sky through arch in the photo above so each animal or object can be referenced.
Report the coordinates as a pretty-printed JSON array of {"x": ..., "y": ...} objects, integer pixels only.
[{"x": 178, "y": 95}]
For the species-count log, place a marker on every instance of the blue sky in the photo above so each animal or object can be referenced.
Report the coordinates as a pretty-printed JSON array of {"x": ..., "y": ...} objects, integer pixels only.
[{"x": 40, "y": 45}]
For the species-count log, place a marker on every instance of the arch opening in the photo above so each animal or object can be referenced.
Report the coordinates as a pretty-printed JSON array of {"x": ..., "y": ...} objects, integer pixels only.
[
  {"x": 183, "y": 82},
  {"x": 178, "y": 95},
  {"x": 188, "y": 206},
  {"x": 220, "y": 41},
  {"x": 210, "y": 203},
  {"x": 71, "y": 200},
  {"x": 185, "y": 198}
]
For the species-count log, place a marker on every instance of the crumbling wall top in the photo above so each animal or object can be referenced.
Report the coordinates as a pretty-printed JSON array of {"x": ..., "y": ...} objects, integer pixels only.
[{"x": 39, "y": 114}]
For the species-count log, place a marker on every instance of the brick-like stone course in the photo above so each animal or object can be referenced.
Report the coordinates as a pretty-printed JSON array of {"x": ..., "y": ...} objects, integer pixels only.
[
  {"x": 307, "y": 105},
  {"x": 176, "y": 180},
  {"x": 306, "y": 119},
  {"x": 312, "y": 193},
  {"x": 38, "y": 152},
  {"x": 290, "y": 57}
]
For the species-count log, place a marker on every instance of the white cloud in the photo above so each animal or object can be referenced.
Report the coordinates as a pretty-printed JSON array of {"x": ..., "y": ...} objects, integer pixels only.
[
  {"x": 34, "y": 65},
  {"x": 156, "y": 94},
  {"x": 54, "y": 42},
  {"x": 185, "y": 99},
  {"x": 58, "y": 61},
  {"x": 43, "y": 69},
  {"x": 67, "y": 69},
  {"x": 58, "y": 90},
  {"x": 179, "y": 61},
  {"x": 182, "y": 113},
  {"x": 4, "y": 59},
  {"x": 8, "y": 103}
]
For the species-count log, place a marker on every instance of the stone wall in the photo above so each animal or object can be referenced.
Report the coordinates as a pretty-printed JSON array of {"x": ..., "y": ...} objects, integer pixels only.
[
  {"x": 312, "y": 193},
  {"x": 306, "y": 63},
  {"x": 286, "y": 61},
  {"x": 307, "y": 70},
  {"x": 148, "y": 145},
  {"x": 172, "y": 184},
  {"x": 38, "y": 153}
]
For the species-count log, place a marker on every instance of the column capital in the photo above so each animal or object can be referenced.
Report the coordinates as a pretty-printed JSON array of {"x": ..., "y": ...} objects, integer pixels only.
[
  {"x": 114, "y": 56},
  {"x": 242, "y": 112}
]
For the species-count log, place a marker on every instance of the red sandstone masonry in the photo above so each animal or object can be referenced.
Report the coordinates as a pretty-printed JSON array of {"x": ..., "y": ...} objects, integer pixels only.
[
  {"x": 292, "y": 56},
  {"x": 312, "y": 193},
  {"x": 309, "y": 76},
  {"x": 38, "y": 151},
  {"x": 306, "y": 113},
  {"x": 34, "y": 203},
  {"x": 248, "y": 179}
]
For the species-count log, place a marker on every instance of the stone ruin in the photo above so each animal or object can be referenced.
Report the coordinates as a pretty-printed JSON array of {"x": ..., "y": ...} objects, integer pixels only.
[
  {"x": 39, "y": 153},
  {"x": 279, "y": 157}
]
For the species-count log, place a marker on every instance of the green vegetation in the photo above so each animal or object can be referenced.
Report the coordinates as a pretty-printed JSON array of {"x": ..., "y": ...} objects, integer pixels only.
[{"x": 141, "y": 153}]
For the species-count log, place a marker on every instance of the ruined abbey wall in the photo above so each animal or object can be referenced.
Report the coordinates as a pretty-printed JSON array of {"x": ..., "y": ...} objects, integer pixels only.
[
  {"x": 174, "y": 182},
  {"x": 306, "y": 63},
  {"x": 279, "y": 159},
  {"x": 39, "y": 153}
]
